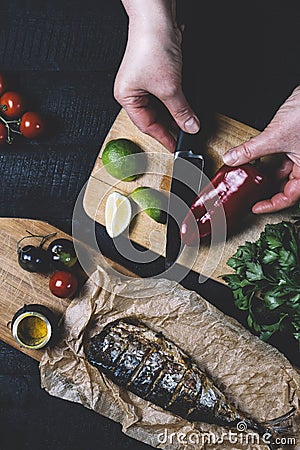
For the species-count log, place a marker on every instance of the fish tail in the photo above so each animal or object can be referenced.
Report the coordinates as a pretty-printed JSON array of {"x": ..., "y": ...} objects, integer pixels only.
[
  {"x": 280, "y": 420},
  {"x": 273, "y": 430}
]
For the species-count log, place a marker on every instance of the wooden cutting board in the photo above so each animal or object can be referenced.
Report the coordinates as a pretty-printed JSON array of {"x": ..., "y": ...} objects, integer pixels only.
[
  {"x": 145, "y": 231},
  {"x": 18, "y": 287}
]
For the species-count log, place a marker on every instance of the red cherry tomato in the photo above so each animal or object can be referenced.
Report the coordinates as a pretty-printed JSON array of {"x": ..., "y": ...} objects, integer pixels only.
[
  {"x": 32, "y": 125},
  {"x": 63, "y": 284},
  {"x": 11, "y": 104},
  {"x": 2, "y": 84},
  {"x": 3, "y": 133}
]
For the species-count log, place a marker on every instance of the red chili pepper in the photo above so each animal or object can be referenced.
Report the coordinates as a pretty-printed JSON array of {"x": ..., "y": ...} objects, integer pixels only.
[{"x": 236, "y": 190}]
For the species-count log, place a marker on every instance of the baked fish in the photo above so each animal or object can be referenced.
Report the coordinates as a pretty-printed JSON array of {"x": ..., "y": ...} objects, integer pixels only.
[{"x": 154, "y": 368}]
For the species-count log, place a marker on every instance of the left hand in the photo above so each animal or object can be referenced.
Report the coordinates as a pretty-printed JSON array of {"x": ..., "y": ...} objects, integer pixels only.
[{"x": 282, "y": 135}]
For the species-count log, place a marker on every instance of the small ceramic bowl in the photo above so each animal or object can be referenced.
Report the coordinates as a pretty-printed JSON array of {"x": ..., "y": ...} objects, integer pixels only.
[{"x": 32, "y": 326}]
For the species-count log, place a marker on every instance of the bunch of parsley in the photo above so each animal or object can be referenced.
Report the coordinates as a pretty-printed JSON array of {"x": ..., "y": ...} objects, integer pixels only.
[{"x": 266, "y": 282}]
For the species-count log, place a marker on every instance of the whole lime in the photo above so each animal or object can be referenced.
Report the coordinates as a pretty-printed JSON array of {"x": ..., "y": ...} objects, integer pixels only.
[
  {"x": 123, "y": 159},
  {"x": 152, "y": 202}
]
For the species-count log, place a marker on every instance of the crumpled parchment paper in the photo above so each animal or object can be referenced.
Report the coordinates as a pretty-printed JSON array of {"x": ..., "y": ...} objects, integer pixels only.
[{"x": 255, "y": 376}]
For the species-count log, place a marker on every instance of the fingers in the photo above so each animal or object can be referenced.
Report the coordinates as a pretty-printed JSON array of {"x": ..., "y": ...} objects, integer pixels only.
[
  {"x": 290, "y": 194},
  {"x": 182, "y": 113},
  {"x": 289, "y": 197},
  {"x": 282, "y": 172},
  {"x": 144, "y": 116},
  {"x": 147, "y": 118},
  {"x": 280, "y": 136},
  {"x": 261, "y": 145}
]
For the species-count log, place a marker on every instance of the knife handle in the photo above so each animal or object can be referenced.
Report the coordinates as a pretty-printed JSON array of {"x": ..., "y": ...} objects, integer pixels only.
[{"x": 186, "y": 141}]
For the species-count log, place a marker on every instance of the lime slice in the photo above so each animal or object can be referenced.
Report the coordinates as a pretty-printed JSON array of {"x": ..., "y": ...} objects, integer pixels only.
[
  {"x": 123, "y": 159},
  {"x": 118, "y": 213},
  {"x": 152, "y": 202}
]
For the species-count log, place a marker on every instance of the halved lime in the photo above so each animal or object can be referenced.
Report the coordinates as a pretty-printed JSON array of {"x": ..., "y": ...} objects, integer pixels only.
[
  {"x": 123, "y": 159},
  {"x": 152, "y": 202}
]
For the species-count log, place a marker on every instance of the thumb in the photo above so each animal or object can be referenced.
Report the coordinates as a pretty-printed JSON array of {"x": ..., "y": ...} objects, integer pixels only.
[
  {"x": 183, "y": 114},
  {"x": 261, "y": 145}
]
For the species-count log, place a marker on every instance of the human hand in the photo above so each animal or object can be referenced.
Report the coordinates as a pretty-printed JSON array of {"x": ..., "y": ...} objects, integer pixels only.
[
  {"x": 152, "y": 66},
  {"x": 282, "y": 135}
]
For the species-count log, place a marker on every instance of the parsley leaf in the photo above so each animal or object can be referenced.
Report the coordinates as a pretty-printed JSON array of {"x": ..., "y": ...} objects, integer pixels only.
[{"x": 266, "y": 282}]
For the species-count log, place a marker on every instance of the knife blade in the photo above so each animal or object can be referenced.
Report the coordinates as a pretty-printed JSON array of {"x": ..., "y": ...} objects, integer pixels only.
[{"x": 185, "y": 185}]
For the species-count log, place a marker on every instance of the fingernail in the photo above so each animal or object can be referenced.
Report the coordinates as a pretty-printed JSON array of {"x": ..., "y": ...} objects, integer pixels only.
[
  {"x": 230, "y": 157},
  {"x": 257, "y": 209},
  {"x": 192, "y": 125}
]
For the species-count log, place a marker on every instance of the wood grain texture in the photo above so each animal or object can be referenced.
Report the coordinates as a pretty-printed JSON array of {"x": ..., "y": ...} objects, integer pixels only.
[
  {"x": 227, "y": 133},
  {"x": 18, "y": 287}
]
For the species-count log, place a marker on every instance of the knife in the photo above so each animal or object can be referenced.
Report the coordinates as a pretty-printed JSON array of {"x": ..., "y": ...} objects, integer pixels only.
[{"x": 185, "y": 185}]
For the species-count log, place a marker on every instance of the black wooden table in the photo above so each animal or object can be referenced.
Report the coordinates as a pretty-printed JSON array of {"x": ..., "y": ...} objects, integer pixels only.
[{"x": 63, "y": 55}]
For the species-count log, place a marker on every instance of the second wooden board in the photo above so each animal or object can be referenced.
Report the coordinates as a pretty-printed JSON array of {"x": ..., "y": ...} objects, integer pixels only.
[
  {"x": 18, "y": 287},
  {"x": 227, "y": 133}
]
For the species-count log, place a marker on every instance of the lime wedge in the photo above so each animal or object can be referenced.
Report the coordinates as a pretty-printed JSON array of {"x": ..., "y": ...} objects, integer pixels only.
[
  {"x": 118, "y": 213},
  {"x": 152, "y": 202}
]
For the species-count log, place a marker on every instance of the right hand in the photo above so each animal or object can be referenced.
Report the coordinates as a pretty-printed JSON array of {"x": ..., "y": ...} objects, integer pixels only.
[
  {"x": 282, "y": 135},
  {"x": 152, "y": 66}
]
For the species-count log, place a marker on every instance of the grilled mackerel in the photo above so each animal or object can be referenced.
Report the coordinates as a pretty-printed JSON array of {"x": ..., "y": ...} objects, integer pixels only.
[{"x": 155, "y": 369}]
